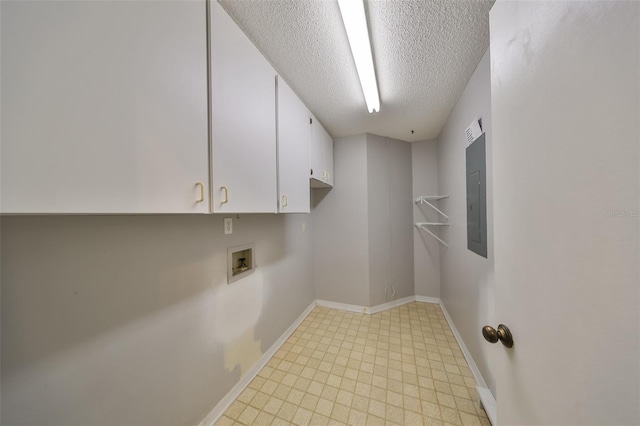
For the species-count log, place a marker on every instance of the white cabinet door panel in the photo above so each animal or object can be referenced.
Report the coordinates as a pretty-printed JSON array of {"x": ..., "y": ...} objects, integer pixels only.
[
  {"x": 104, "y": 107},
  {"x": 321, "y": 156},
  {"x": 243, "y": 120},
  {"x": 294, "y": 134}
]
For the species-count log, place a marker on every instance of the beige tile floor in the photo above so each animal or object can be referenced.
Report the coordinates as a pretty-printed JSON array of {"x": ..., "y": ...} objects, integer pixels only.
[{"x": 398, "y": 367}]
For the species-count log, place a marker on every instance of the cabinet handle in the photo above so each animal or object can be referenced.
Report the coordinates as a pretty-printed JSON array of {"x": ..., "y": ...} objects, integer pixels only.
[
  {"x": 285, "y": 201},
  {"x": 226, "y": 194},
  {"x": 201, "y": 199}
]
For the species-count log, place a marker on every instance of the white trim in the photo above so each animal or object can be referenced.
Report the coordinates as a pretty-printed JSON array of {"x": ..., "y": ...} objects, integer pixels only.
[
  {"x": 487, "y": 399},
  {"x": 342, "y": 306},
  {"x": 389, "y": 305},
  {"x": 427, "y": 299},
  {"x": 231, "y": 396},
  {"x": 488, "y": 403},
  {"x": 467, "y": 355},
  {"x": 378, "y": 308}
]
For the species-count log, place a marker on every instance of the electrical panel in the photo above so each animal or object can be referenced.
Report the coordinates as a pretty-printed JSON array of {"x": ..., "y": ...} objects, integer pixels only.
[{"x": 477, "y": 197}]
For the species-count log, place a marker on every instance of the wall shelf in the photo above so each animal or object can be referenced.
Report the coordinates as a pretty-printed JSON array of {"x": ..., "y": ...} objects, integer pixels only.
[{"x": 426, "y": 199}]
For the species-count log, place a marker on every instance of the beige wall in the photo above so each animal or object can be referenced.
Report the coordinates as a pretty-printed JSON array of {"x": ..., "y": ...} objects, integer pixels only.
[{"x": 112, "y": 320}]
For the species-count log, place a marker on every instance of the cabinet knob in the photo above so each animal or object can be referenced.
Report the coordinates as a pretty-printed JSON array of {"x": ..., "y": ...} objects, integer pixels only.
[
  {"x": 226, "y": 194},
  {"x": 285, "y": 201},
  {"x": 201, "y": 199}
]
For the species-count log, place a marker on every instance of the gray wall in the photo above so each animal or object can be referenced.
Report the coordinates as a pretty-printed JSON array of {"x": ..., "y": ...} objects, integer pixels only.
[
  {"x": 426, "y": 249},
  {"x": 389, "y": 210},
  {"x": 378, "y": 210},
  {"x": 340, "y": 221},
  {"x": 114, "y": 320},
  {"x": 364, "y": 237},
  {"x": 466, "y": 279},
  {"x": 401, "y": 210}
]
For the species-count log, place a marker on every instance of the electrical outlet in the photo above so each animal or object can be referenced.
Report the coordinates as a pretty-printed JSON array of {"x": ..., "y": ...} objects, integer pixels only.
[{"x": 228, "y": 225}]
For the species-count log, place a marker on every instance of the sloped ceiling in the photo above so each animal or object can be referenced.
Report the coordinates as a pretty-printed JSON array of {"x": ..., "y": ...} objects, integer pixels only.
[{"x": 424, "y": 53}]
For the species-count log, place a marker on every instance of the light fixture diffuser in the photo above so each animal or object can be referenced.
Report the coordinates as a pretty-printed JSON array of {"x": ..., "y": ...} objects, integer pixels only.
[{"x": 355, "y": 22}]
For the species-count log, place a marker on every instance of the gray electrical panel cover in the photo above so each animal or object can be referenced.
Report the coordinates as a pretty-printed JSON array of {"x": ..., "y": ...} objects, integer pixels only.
[{"x": 477, "y": 197}]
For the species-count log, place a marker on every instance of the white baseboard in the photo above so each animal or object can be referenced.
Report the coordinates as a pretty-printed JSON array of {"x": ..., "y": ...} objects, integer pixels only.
[
  {"x": 484, "y": 394},
  {"x": 488, "y": 403},
  {"x": 389, "y": 305},
  {"x": 427, "y": 299},
  {"x": 228, "y": 399},
  {"x": 378, "y": 308},
  {"x": 467, "y": 355},
  {"x": 342, "y": 306}
]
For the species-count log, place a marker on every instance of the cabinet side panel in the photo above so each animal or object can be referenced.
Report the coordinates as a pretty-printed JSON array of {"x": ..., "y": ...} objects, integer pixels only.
[{"x": 316, "y": 156}]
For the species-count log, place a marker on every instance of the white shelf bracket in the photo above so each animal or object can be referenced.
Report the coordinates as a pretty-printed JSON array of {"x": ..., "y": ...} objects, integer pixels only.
[
  {"x": 425, "y": 200},
  {"x": 423, "y": 226}
]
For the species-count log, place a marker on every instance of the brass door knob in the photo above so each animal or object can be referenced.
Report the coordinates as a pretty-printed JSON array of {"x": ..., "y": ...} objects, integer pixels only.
[{"x": 503, "y": 334}]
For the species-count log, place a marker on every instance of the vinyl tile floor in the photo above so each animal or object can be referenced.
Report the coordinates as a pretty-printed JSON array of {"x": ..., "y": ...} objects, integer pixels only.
[{"x": 402, "y": 366}]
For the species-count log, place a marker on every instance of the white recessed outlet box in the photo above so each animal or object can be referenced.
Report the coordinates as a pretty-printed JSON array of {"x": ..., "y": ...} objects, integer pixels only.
[
  {"x": 228, "y": 225},
  {"x": 240, "y": 262}
]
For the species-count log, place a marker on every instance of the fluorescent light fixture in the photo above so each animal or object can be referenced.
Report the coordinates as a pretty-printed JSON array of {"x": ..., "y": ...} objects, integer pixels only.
[{"x": 355, "y": 22}]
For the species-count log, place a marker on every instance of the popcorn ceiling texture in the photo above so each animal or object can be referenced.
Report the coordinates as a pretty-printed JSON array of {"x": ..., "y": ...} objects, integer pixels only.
[{"x": 424, "y": 53}]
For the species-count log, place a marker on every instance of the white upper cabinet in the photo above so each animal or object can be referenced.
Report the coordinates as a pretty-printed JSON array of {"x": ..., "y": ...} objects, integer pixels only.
[
  {"x": 243, "y": 121},
  {"x": 104, "y": 107},
  {"x": 327, "y": 145},
  {"x": 321, "y": 172},
  {"x": 294, "y": 136}
]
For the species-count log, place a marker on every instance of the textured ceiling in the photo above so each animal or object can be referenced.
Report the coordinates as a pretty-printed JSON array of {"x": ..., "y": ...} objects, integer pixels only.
[{"x": 424, "y": 53}]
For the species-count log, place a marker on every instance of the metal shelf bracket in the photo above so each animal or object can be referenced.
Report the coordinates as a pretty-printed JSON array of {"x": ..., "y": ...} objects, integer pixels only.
[{"x": 426, "y": 199}]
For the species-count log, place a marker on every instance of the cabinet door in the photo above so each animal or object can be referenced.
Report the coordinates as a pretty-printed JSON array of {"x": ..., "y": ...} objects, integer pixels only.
[
  {"x": 243, "y": 120},
  {"x": 294, "y": 134},
  {"x": 317, "y": 151},
  {"x": 321, "y": 156},
  {"x": 104, "y": 107}
]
